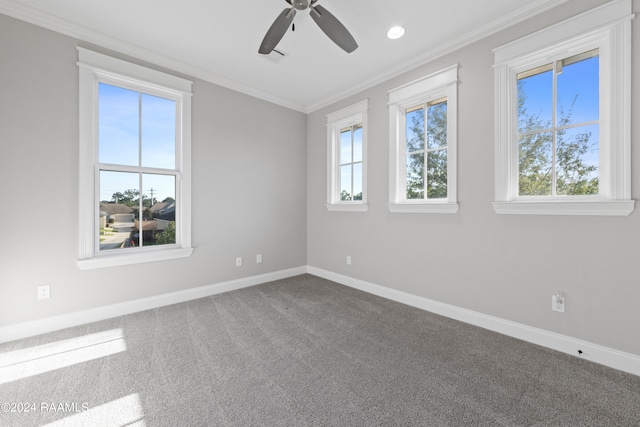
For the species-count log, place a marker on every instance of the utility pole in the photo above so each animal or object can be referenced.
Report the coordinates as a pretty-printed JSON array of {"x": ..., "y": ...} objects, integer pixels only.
[{"x": 151, "y": 191}]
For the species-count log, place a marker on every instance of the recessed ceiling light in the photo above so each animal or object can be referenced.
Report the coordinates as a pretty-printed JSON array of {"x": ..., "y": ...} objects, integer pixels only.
[{"x": 395, "y": 32}]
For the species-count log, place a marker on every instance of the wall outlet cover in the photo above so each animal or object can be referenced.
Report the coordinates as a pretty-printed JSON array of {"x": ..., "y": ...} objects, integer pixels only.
[{"x": 557, "y": 303}]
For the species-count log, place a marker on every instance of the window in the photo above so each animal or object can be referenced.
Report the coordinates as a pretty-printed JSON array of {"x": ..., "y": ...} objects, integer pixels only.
[
  {"x": 426, "y": 144},
  {"x": 346, "y": 162},
  {"x": 423, "y": 117},
  {"x": 558, "y": 127},
  {"x": 134, "y": 163},
  {"x": 563, "y": 118},
  {"x": 351, "y": 163}
]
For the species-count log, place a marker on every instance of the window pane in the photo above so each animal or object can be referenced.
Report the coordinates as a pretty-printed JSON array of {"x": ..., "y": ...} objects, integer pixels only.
[
  {"x": 345, "y": 146},
  {"x": 577, "y": 160},
  {"x": 357, "y": 181},
  {"x": 415, "y": 130},
  {"x": 159, "y": 209},
  {"x": 437, "y": 174},
  {"x": 345, "y": 183},
  {"x": 535, "y": 100},
  {"x": 119, "y": 199},
  {"x": 357, "y": 144},
  {"x": 535, "y": 164},
  {"x": 437, "y": 125},
  {"x": 118, "y": 125},
  {"x": 158, "y": 132},
  {"x": 415, "y": 176},
  {"x": 578, "y": 90}
]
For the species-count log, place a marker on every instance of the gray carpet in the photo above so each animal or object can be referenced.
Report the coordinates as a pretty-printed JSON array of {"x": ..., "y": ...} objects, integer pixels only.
[{"x": 302, "y": 351}]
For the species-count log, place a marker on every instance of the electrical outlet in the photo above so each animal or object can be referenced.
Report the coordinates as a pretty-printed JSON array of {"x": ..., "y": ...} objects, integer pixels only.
[
  {"x": 239, "y": 262},
  {"x": 348, "y": 260},
  {"x": 258, "y": 258},
  {"x": 557, "y": 303},
  {"x": 44, "y": 291}
]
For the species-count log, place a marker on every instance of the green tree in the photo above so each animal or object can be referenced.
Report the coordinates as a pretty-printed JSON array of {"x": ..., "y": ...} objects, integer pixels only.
[
  {"x": 128, "y": 197},
  {"x": 346, "y": 196},
  {"x": 535, "y": 153},
  {"x": 131, "y": 197},
  {"x": 146, "y": 214},
  {"x": 117, "y": 197},
  {"x": 435, "y": 139},
  {"x": 166, "y": 236},
  {"x": 573, "y": 175},
  {"x": 146, "y": 201}
]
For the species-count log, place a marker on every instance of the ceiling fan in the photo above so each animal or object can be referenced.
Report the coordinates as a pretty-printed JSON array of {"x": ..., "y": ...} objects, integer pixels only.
[{"x": 325, "y": 20}]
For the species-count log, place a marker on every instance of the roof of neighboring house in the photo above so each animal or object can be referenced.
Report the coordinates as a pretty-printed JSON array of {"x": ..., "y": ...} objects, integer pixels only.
[
  {"x": 146, "y": 225},
  {"x": 163, "y": 206},
  {"x": 115, "y": 208},
  {"x": 153, "y": 224},
  {"x": 158, "y": 206}
]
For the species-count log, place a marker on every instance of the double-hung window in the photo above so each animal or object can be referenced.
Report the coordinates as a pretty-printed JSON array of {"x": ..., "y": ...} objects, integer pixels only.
[
  {"x": 422, "y": 123},
  {"x": 563, "y": 117},
  {"x": 558, "y": 127},
  {"x": 346, "y": 158},
  {"x": 351, "y": 163},
  {"x": 134, "y": 163},
  {"x": 426, "y": 151}
]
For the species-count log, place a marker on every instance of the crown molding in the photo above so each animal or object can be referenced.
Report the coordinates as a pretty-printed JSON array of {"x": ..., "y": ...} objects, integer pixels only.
[
  {"x": 42, "y": 19},
  {"x": 45, "y": 20},
  {"x": 530, "y": 10}
]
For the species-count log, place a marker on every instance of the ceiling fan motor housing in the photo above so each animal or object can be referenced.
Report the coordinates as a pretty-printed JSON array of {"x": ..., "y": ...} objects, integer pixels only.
[{"x": 300, "y": 4}]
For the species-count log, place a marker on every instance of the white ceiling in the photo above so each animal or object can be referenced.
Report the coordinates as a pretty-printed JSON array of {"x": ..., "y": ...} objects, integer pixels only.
[{"x": 217, "y": 40}]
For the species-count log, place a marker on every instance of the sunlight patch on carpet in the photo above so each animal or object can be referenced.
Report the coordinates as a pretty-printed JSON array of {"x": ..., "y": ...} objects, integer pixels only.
[{"x": 19, "y": 364}]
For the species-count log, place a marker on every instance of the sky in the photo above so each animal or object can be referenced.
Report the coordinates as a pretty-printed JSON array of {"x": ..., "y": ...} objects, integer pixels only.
[
  {"x": 136, "y": 130},
  {"x": 577, "y": 82},
  {"x": 578, "y": 79},
  {"x": 351, "y": 161}
]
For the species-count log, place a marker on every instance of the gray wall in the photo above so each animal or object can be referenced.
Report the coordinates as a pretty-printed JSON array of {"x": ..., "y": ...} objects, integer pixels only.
[
  {"x": 501, "y": 265},
  {"x": 249, "y": 187}
]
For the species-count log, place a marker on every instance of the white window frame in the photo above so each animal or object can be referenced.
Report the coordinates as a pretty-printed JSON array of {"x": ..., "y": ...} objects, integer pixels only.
[
  {"x": 94, "y": 68},
  {"x": 352, "y": 115},
  {"x": 607, "y": 28},
  {"x": 443, "y": 83}
]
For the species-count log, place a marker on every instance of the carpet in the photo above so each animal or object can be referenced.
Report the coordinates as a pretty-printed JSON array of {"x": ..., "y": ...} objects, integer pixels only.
[{"x": 302, "y": 351}]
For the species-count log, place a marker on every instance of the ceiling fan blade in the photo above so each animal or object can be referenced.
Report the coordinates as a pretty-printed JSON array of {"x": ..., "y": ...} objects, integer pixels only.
[
  {"x": 276, "y": 31},
  {"x": 333, "y": 28}
]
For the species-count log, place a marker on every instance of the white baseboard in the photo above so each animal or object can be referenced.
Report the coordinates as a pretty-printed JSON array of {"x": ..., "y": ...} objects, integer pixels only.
[
  {"x": 616, "y": 359},
  {"x": 49, "y": 324},
  {"x": 612, "y": 358}
]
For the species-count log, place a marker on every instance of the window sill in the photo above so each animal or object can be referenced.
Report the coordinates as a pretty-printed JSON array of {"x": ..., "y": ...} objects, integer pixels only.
[
  {"x": 444, "y": 207},
  {"x": 599, "y": 207},
  {"x": 347, "y": 207},
  {"x": 127, "y": 259}
]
